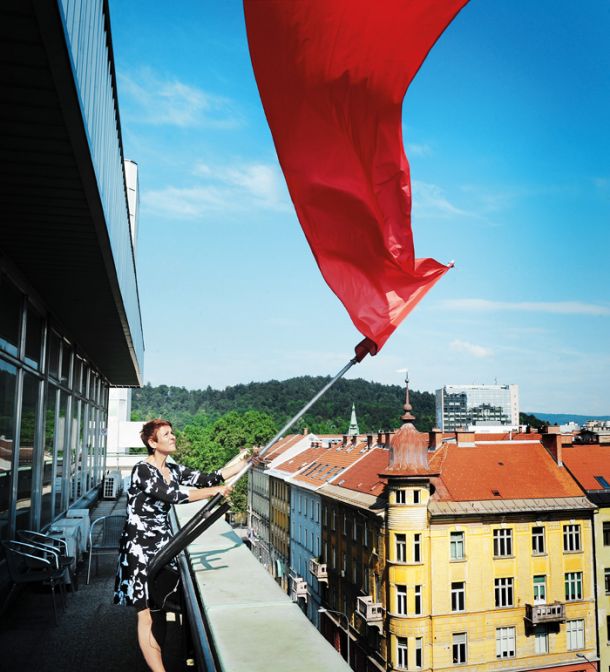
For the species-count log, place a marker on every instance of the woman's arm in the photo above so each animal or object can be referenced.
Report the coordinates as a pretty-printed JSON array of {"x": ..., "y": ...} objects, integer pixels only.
[{"x": 207, "y": 493}]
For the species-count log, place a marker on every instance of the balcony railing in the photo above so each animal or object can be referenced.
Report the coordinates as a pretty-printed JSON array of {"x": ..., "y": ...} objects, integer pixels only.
[
  {"x": 298, "y": 588},
  {"x": 371, "y": 612},
  {"x": 545, "y": 613},
  {"x": 318, "y": 569}
]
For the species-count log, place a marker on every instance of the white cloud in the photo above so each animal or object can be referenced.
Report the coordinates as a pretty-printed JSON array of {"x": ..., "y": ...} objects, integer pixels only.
[
  {"x": 229, "y": 188},
  {"x": 556, "y": 307},
  {"x": 149, "y": 99},
  {"x": 429, "y": 200},
  {"x": 417, "y": 149},
  {"x": 470, "y": 348}
]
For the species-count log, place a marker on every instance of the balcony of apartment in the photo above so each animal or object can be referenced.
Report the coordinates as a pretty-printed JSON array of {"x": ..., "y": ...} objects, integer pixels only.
[
  {"x": 237, "y": 618},
  {"x": 538, "y": 614}
]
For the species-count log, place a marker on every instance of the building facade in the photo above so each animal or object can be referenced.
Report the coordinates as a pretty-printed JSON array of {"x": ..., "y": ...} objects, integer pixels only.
[
  {"x": 70, "y": 323},
  {"x": 462, "y": 406}
]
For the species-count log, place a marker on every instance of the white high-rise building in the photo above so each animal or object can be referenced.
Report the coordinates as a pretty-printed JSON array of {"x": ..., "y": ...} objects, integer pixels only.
[{"x": 463, "y": 406}]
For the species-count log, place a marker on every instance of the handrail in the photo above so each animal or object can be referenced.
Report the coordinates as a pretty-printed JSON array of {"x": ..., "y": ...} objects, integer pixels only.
[{"x": 203, "y": 649}]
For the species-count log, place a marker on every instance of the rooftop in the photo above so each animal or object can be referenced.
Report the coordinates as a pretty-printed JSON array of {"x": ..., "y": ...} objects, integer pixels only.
[{"x": 589, "y": 464}]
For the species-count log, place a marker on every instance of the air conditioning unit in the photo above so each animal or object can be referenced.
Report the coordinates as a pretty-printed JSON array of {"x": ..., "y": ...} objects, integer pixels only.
[
  {"x": 371, "y": 612},
  {"x": 299, "y": 589},
  {"x": 318, "y": 569},
  {"x": 112, "y": 485}
]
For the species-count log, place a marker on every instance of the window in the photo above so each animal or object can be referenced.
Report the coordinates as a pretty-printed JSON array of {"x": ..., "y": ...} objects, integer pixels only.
[
  {"x": 365, "y": 578},
  {"x": 419, "y": 652},
  {"x": 575, "y": 631},
  {"x": 503, "y": 589},
  {"x": 416, "y": 496},
  {"x": 503, "y": 542},
  {"x": 401, "y": 496},
  {"x": 417, "y": 600},
  {"x": 344, "y": 565},
  {"x": 401, "y": 600},
  {"x": 345, "y": 525},
  {"x": 300, "y": 503},
  {"x": 325, "y": 516},
  {"x": 607, "y": 534},
  {"x": 366, "y": 535},
  {"x": 538, "y": 547},
  {"x": 459, "y": 648},
  {"x": 355, "y": 531},
  {"x": 401, "y": 548},
  {"x": 608, "y": 628},
  {"x": 334, "y": 556},
  {"x": 541, "y": 639},
  {"x": 402, "y": 652},
  {"x": 607, "y": 580},
  {"x": 458, "y": 593},
  {"x": 354, "y": 571},
  {"x": 603, "y": 482},
  {"x": 417, "y": 547},
  {"x": 540, "y": 590},
  {"x": 456, "y": 545},
  {"x": 573, "y": 586},
  {"x": 571, "y": 538},
  {"x": 505, "y": 642},
  {"x": 333, "y": 525}
]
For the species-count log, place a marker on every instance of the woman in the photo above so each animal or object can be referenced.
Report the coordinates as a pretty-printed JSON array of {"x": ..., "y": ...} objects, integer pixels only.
[{"x": 154, "y": 488}]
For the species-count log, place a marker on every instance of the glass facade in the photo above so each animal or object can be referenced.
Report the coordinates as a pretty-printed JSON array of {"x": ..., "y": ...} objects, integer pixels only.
[
  {"x": 462, "y": 406},
  {"x": 53, "y": 407}
]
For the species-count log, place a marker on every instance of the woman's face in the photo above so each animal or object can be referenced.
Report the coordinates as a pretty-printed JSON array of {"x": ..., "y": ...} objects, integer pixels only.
[{"x": 166, "y": 441}]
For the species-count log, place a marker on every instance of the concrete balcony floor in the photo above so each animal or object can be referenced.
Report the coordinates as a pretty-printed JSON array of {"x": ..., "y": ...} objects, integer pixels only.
[{"x": 93, "y": 634}]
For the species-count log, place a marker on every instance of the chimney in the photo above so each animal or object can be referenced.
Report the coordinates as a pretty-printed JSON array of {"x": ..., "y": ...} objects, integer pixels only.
[
  {"x": 464, "y": 438},
  {"x": 369, "y": 441},
  {"x": 344, "y": 442},
  {"x": 379, "y": 438},
  {"x": 387, "y": 439},
  {"x": 436, "y": 438},
  {"x": 305, "y": 431},
  {"x": 354, "y": 439},
  {"x": 552, "y": 441}
]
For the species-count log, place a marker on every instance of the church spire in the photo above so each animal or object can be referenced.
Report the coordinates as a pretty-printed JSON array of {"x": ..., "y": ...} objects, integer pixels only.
[
  {"x": 353, "y": 423},
  {"x": 407, "y": 416}
]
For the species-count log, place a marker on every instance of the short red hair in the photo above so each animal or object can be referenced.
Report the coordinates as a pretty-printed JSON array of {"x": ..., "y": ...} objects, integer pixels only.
[{"x": 150, "y": 429}]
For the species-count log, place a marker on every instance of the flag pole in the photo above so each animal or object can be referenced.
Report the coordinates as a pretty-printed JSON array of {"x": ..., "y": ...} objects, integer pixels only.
[{"x": 204, "y": 517}]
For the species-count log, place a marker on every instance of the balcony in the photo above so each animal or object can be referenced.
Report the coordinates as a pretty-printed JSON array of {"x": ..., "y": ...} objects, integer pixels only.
[
  {"x": 371, "y": 612},
  {"x": 298, "y": 588},
  {"x": 318, "y": 569},
  {"x": 536, "y": 614}
]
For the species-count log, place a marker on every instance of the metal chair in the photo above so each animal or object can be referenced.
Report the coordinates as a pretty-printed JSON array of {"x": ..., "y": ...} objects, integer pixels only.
[
  {"x": 29, "y": 563},
  {"x": 104, "y": 539},
  {"x": 45, "y": 541}
]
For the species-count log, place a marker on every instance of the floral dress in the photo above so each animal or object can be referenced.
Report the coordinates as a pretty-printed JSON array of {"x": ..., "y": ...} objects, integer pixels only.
[{"x": 147, "y": 528}]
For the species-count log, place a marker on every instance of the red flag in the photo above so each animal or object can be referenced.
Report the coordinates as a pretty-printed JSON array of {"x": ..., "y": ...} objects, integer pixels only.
[{"x": 332, "y": 75}]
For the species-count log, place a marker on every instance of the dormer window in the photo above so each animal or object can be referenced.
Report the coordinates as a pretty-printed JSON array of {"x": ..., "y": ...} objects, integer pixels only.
[
  {"x": 416, "y": 496},
  {"x": 401, "y": 496}
]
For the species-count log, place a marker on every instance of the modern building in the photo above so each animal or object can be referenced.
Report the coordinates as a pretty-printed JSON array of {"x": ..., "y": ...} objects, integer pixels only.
[
  {"x": 70, "y": 324},
  {"x": 472, "y": 406}
]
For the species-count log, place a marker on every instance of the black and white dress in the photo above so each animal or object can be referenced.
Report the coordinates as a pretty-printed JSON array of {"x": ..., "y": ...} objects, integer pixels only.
[{"x": 147, "y": 528}]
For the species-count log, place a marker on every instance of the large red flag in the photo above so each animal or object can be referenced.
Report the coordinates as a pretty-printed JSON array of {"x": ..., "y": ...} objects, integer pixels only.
[{"x": 332, "y": 75}]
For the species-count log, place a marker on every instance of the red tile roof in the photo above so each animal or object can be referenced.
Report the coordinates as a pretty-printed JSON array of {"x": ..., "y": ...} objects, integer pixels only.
[
  {"x": 364, "y": 475},
  {"x": 330, "y": 462},
  {"x": 282, "y": 445},
  {"x": 500, "y": 471},
  {"x": 299, "y": 461},
  {"x": 586, "y": 462}
]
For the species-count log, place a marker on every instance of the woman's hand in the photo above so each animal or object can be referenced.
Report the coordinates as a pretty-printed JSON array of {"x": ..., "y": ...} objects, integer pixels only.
[
  {"x": 208, "y": 493},
  {"x": 234, "y": 467}
]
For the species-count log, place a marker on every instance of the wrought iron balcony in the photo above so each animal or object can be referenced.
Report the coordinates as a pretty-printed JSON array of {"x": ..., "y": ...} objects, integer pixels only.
[
  {"x": 318, "y": 569},
  {"x": 545, "y": 613}
]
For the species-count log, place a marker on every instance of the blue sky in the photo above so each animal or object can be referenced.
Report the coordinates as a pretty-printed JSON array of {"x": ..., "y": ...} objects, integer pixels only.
[{"x": 506, "y": 130}]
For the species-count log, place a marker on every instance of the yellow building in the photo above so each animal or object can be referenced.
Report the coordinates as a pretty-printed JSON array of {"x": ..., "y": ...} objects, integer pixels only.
[
  {"x": 489, "y": 556},
  {"x": 590, "y": 465}
]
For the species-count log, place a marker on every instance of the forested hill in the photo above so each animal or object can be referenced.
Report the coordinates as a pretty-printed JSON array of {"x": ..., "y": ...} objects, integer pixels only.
[{"x": 377, "y": 406}]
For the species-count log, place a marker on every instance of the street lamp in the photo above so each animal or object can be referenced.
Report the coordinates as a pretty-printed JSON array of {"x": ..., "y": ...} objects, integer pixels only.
[
  {"x": 582, "y": 655},
  {"x": 324, "y": 610}
]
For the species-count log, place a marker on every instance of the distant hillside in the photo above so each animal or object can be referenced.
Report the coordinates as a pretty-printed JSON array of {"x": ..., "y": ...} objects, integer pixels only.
[
  {"x": 564, "y": 418},
  {"x": 377, "y": 406}
]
